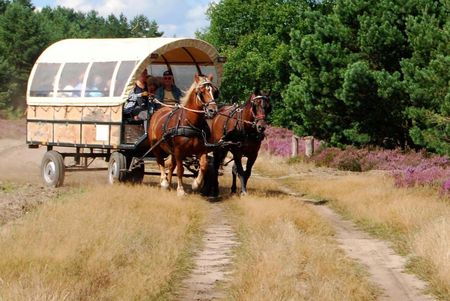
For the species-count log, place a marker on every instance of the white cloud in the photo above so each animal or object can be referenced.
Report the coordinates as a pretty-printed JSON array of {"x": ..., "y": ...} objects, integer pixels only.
[
  {"x": 174, "y": 17},
  {"x": 196, "y": 18}
]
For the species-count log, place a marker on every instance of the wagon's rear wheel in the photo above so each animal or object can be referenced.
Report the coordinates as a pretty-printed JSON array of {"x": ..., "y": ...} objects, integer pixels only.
[
  {"x": 53, "y": 169},
  {"x": 117, "y": 168}
]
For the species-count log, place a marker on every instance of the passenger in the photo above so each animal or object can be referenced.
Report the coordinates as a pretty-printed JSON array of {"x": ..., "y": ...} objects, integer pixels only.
[
  {"x": 74, "y": 90},
  {"x": 138, "y": 105},
  {"x": 152, "y": 85},
  {"x": 95, "y": 90},
  {"x": 168, "y": 92}
]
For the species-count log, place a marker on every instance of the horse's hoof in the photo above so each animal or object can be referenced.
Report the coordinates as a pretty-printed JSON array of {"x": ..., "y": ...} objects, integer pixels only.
[
  {"x": 181, "y": 193},
  {"x": 164, "y": 184},
  {"x": 244, "y": 193}
]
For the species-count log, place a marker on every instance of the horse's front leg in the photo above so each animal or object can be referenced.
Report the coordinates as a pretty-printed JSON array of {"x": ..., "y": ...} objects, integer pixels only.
[
  {"x": 170, "y": 164},
  {"x": 160, "y": 160},
  {"x": 198, "y": 182},
  {"x": 219, "y": 156},
  {"x": 239, "y": 170},
  {"x": 248, "y": 169},
  {"x": 180, "y": 171}
]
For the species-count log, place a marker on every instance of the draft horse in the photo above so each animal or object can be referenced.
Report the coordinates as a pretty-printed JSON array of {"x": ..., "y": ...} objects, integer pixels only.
[
  {"x": 241, "y": 130},
  {"x": 182, "y": 131}
]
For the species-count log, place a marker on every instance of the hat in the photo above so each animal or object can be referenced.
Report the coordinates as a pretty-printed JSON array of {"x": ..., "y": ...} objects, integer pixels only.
[{"x": 167, "y": 73}]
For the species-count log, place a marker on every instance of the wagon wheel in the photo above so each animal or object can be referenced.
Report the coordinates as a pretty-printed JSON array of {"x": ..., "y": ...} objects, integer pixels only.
[
  {"x": 137, "y": 174},
  {"x": 53, "y": 169},
  {"x": 117, "y": 168}
]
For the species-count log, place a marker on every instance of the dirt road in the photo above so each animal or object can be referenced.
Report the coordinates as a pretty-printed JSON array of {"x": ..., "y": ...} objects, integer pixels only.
[
  {"x": 386, "y": 268},
  {"x": 213, "y": 261}
]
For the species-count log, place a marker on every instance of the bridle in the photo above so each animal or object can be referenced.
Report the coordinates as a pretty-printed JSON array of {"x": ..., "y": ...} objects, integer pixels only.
[
  {"x": 207, "y": 85},
  {"x": 255, "y": 103}
]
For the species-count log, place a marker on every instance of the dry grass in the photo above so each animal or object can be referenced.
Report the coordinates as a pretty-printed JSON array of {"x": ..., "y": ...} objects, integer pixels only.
[
  {"x": 110, "y": 243},
  {"x": 275, "y": 166},
  {"x": 416, "y": 220},
  {"x": 287, "y": 253}
]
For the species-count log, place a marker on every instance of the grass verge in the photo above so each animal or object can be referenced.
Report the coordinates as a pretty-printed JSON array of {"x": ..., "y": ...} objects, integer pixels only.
[
  {"x": 114, "y": 243},
  {"x": 415, "y": 220},
  {"x": 287, "y": 253}
]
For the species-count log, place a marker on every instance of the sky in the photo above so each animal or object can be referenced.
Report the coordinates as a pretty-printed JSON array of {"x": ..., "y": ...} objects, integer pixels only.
[{"x": 174, "y": 17}]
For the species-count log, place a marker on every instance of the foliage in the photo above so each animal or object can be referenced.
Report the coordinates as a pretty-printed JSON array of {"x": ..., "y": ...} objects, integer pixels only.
[
  {"x": 427, "y": 77},
  {"x": 254, "y": 35},
  {"x": 25, "y": 33},
  {"x": 360, "y": 72},
  {"x": 346, "y": 87}
]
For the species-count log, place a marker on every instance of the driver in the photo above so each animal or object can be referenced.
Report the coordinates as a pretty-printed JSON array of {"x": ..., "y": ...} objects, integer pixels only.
[{"x": 168, "y": 93}]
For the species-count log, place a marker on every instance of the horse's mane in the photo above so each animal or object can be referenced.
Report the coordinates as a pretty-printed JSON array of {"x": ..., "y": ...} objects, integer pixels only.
[{"x": 184, "y": 100}]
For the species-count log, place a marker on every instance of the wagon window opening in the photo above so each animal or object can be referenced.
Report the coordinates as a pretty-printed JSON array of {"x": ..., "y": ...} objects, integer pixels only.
[
  {"x": 156, "y": 71},
  {"x": 124, "y": 72},
  {"x": 44, "y": 80},
  {"x": 99, "y": 79},
  {"x": 184, "y": 75},
  {"x": 206, "y": 70},
  {"x": 71, "y": 81}
]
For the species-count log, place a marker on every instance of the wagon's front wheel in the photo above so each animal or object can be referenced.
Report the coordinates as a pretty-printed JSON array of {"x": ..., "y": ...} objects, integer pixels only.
[
  {"x": 116, "y": 168},
  {"x": 53, "y": 169},
  {"x": 137, "y": 175}
]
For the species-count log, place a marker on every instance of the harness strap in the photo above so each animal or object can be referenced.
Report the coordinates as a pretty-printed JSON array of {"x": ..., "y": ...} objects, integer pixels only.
[{"x": 185, "y": 131}]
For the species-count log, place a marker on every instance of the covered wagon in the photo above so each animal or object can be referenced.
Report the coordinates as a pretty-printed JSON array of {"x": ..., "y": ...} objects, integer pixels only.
[{"x": 76, "y": 94}]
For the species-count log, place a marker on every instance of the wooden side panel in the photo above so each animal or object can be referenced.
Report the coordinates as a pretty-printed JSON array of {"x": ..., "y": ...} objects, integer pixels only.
[
  {"x": 68, "y": 113},
  {"x": 40, "y": 132},
  {"x": 95, "y": 134},
  {"x": 115, "y": 135},
  {"x": 87, "y": 132},
  {"x": 67, "y": 133},
  {"x": 40, "y": 112},
  {"x": 73, "y": 113},
  {"x": 116, "y": 114},
  {"x": 97, "y": 114}
]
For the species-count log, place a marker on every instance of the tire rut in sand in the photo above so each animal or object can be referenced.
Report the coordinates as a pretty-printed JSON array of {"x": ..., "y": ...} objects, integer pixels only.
[
  {"x": 386, "y": 268},
  {"x": 212, "y": 263}
]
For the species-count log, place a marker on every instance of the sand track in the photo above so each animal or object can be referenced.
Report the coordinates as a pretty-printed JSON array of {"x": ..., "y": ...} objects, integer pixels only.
[
  {"x": 386, "y": 268},
  {"x": 212, "y": 263}
]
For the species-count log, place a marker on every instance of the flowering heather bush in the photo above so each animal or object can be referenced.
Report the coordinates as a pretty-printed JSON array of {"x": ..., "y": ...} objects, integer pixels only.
[
  {"x": 446, "y": 187},
  {"x": 278, "y": 142},
  {"x": 408, "y": 168}
]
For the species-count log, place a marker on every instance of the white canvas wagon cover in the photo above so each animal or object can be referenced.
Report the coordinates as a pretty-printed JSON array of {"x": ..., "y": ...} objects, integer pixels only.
[{"x": 101, "y": 72}]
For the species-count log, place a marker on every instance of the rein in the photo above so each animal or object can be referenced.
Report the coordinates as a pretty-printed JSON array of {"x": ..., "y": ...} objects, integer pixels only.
[{"x": 177, "y": 106}]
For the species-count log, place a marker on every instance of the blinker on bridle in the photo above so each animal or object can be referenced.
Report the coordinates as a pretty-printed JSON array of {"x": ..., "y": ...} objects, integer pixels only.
[
  {"x": 253, "y": 101},
  {"x": 209, "y": 86}
]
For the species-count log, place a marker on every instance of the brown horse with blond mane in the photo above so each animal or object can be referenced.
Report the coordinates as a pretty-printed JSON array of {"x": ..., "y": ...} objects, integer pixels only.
[{"x": 182, "y": 131}]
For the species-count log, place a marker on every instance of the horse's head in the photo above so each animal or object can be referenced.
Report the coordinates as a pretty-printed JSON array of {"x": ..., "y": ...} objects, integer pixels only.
[
  {"x": 260, "y": 109},
  {"x": 206, "y": 94}
]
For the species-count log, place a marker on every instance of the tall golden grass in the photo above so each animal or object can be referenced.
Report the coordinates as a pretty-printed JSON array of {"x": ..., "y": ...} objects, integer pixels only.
[
  {"x": 416, "y": 220},
  {"x": 287, "y": 253},
  {"x": 110, "y": 243}
]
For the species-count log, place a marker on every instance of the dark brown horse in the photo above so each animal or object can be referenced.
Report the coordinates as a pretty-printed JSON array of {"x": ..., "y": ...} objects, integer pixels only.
[
  {"x": 182, "y": 131},
  {"x": 241, "y": 129}
]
